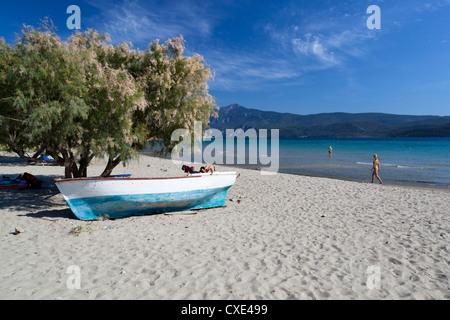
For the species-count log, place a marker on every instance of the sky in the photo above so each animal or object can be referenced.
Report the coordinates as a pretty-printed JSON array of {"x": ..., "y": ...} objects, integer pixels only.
[{"x": 298, "y": 56}]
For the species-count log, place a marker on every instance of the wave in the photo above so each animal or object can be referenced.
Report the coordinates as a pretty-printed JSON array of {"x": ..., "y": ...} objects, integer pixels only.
[
  {"x": 438, "y": 165},
  {"x": 402, "y": 166}
]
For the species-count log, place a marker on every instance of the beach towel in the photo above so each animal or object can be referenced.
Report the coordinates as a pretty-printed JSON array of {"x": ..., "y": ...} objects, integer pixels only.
[{"x": 25, "y": 181}]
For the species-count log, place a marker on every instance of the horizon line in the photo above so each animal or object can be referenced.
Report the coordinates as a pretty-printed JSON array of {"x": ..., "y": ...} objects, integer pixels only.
[{"x": 335, "y": 112}]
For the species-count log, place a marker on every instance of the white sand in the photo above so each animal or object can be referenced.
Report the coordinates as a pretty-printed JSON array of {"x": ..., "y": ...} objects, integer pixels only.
[{"x": 289, "y": 237}]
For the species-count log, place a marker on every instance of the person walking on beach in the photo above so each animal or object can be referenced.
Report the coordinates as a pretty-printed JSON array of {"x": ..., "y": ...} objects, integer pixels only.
[{"x": 376, "y": 168}]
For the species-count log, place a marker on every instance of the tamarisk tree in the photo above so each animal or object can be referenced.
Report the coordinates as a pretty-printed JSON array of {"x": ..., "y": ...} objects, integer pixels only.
[
  {"x": 86, "y": 98},
  {"x": 175, "y": 89}
]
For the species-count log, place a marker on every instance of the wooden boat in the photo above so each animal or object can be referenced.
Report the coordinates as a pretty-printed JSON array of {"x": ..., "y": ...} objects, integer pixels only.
[{"x": 94, "y": 198}]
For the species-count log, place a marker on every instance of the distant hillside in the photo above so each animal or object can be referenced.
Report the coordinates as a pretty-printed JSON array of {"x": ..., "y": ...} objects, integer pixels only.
[{"x": 332, "y": 124}]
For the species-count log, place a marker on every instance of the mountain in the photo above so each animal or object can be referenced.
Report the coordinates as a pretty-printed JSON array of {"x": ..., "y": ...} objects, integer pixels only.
[{"x": 337, "y": 124}]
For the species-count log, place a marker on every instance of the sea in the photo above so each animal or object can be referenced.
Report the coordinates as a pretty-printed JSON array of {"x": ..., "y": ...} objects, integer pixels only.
[
  {"x": 422, "y": 162},
  {"x": 419, "y": 162}
]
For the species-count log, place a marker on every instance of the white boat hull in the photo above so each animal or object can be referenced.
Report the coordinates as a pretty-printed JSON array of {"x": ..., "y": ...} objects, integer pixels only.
[{"x": 94, "y": 198}]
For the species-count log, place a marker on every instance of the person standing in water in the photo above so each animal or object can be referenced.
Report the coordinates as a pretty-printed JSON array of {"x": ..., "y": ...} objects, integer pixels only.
[
  {"x": 330, "y": 151},
  {"x": 376, "y": 168}
]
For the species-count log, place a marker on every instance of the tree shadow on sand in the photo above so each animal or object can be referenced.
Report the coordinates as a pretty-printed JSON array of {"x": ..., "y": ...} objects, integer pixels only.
[
  {"x": 12, "y": 161},
  {"x": 36, "y": 203}
]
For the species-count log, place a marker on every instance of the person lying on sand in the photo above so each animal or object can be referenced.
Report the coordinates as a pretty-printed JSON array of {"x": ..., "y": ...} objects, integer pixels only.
[
  {"x": 188, "y": 169},
  {"x": 205, "y": 169}
]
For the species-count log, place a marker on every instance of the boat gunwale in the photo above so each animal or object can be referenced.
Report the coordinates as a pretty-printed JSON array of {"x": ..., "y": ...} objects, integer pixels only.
[
  {"x": 122, "y": 178},
  {"x": 58, "y": 180}
]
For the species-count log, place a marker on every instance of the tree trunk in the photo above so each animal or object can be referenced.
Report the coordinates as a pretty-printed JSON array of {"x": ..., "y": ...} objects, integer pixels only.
[
  {"x": 71, "y": 169},
  {"x": 110, "y": 166},
  {"x": 38, "y": 153},
  {"x": 82, "y": 169},
  {"x": 75, "y": 171},
  {"x": 21, "y": 153},
  {"x": 67, "y": 170}
]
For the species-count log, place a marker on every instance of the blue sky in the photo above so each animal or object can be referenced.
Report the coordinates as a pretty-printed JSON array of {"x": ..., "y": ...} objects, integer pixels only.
[{"x": 294, "y": 56}]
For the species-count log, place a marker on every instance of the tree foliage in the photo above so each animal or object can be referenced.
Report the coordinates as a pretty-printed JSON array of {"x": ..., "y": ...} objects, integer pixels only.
[{"x": 87, "y": 98}]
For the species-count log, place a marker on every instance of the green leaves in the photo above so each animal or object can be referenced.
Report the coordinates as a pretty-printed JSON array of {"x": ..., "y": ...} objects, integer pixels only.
[
  {"x": 176, "y": 89},
  {"x": 87, "y": 98}
]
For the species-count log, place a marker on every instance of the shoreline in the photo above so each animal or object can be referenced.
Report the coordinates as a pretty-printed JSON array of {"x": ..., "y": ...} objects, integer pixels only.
[
  {"x": 425, "y": 186},
  {"x": 420, "y": 186},
  {"x": 416, "y": 162}
]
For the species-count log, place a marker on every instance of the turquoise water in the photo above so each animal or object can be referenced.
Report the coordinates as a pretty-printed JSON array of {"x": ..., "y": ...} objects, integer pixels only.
[
  {"x": 418, "y": 161},
  {"x": 404, "y": 161}
]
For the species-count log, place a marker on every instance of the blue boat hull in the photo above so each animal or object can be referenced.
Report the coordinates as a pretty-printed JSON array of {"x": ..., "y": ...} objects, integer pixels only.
[{"x": 121, "y": 206}]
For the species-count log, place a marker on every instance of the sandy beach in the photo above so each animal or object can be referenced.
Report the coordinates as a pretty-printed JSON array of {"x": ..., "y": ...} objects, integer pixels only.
[{"x": 278, "y": 237}]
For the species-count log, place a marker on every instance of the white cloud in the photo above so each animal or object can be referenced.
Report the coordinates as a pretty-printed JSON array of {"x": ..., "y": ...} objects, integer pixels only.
[
  {"x": 323, "y": 39},
  {"x": 313, "y": 47},
  {"x": 249, "y": 71},
  {"x": 140, "y": 23},
  {"x": 294, "y": 41}
]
